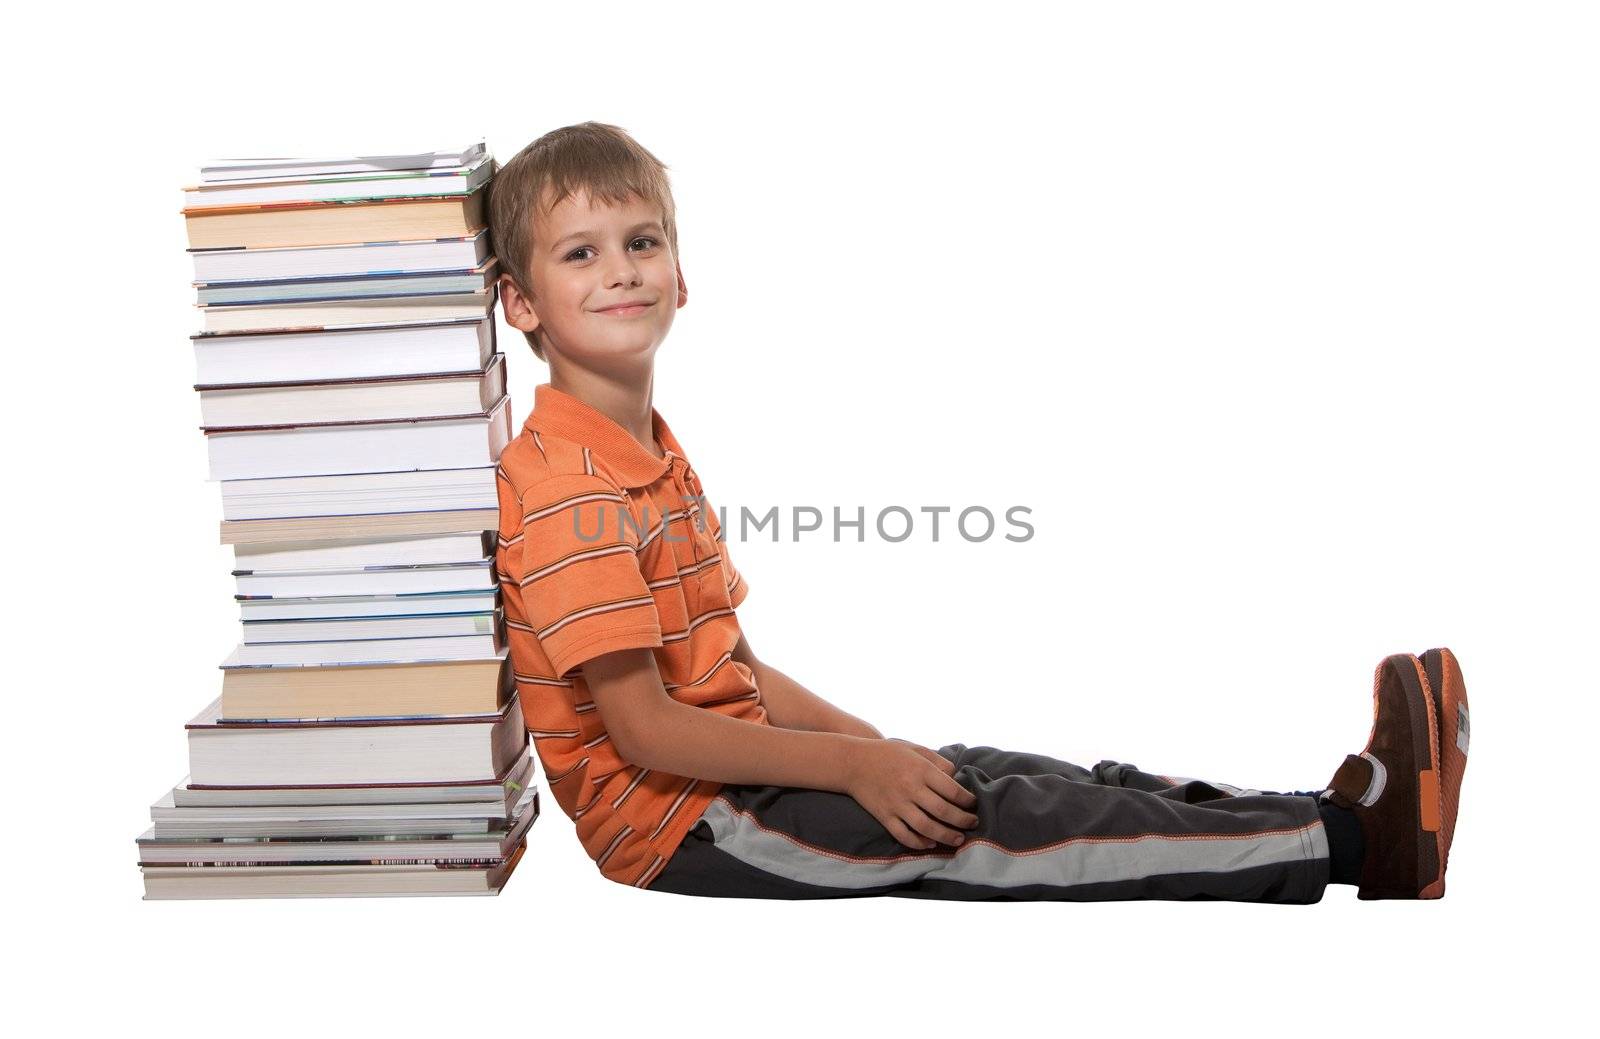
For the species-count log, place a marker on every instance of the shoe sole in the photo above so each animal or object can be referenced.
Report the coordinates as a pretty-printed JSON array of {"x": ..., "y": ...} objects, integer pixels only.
[
  {"x": 1424, "y": 732},
  {"x": 1449, "y": 690}
]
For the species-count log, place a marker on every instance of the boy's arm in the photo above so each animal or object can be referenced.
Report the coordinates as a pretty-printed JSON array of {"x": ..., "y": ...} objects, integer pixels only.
[
  {"x": 908, "y": 789},
  {"x": 791, "y": 705},
  {"x": 654, "y": 731}
]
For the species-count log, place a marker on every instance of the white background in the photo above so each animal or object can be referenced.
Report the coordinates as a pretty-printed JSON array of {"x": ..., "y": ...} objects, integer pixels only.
[{"x": 1281, "y": 319}]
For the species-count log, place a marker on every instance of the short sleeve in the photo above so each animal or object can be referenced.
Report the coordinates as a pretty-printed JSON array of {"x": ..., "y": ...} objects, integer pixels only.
[{"x": 579, "y": 574}]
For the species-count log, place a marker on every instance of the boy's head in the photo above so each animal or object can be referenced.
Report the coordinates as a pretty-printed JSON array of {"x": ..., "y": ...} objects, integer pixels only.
[{"x": 583, "y": 221}]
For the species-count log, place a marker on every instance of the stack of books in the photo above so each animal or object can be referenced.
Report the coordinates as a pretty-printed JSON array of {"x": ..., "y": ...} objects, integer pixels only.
[{"x": 367, "y": 739}]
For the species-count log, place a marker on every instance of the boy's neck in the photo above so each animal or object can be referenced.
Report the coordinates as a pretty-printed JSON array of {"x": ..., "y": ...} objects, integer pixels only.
[{"x": 627, "y": 402}]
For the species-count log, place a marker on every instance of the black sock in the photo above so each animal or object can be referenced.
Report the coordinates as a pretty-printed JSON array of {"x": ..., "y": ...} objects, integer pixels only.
[{"x": 1347, "y": 846}]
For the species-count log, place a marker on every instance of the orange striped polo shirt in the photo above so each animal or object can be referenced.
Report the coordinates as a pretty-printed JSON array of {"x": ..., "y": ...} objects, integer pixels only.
[{"x": 604, "y": 546}]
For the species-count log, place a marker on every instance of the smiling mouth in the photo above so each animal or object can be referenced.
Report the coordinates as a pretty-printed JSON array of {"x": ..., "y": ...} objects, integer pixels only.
[{"x": 628, "y": 311}]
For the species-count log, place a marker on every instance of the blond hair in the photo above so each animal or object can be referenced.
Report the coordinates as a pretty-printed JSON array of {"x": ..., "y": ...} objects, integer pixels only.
[{"x": 598, "y": 159}]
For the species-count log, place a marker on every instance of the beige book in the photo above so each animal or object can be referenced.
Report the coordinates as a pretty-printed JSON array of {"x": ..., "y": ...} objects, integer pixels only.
[
  {"x": 398, "y": 690},
  {"x": 389, "y": 524},
  {"x": 334, "y": 223}
]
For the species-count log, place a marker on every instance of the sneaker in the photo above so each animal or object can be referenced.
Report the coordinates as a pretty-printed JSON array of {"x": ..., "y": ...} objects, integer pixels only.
[
  {"x": 1449, "y": 690},
  {"x": 1393, "y": 787}
]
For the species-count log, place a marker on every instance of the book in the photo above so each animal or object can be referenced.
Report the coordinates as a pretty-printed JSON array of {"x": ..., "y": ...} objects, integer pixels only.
[
  {"x": 344, "y": 629},
  {"x": 348, "y": 313},
  {"x": 366, "y": 606},
  {"x": 413, "y": 683},
  {"x": 391, "y": 750},
  {"x": 395, "y": 524},
  {"x": 250, "y": 358},
  {"x": 353, "y": 851},
  {"x": 308, "y": 449},
  {"x": 376, "y": 879},
  {"x": 373, "y": 286},
  {"x": 222, "y": 171},
  {"x": 495, "y": 843},
  {"x": 222, "y": 267},
  {"x": 334, "y": 223},
  {"x": 358, "y": 494},
  {"x": 330, "y": 657},
  {"x": 344, "y": 186},
  {"x": 507, "y": 788},
  {"x": 330, "y": 821},
  {"x": 370, "y": 580},
  {"x": 351, "y": 553},
  {"x": 353, "y": 400}
]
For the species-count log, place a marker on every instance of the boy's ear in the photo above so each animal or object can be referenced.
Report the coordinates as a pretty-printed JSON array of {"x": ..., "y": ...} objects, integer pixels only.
[
  {"x": 683, "y": 290},
  {"x": 516, "y": 307}
]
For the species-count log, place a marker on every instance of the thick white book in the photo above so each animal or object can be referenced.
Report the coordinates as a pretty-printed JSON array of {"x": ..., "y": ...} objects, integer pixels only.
[
  {"x": 240, "y": 359},
  {"x": 468, "y": 441},
  {"x": 361, "y": 494},
  {"x": 477, "y": 575},
  {"x": 353, "y": 400},
  {"x": 507, "y": 791},
  {"x": 407, "y": 750}
]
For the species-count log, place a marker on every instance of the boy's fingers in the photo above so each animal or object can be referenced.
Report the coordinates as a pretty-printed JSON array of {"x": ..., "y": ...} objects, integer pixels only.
[
  {"x": 932, "y": 828},
  {"x": 938, "y": 806}
]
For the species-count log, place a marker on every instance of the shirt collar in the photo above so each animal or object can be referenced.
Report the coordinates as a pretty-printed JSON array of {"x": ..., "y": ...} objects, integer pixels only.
[{"x": 563, "y": 415}]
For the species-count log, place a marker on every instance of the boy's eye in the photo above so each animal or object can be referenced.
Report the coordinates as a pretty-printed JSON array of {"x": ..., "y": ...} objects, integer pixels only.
[{"x": 643, "y": 242}]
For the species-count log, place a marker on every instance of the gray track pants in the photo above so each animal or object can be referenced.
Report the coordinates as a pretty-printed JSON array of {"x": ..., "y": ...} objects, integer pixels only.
[{"x": 1047, "y": 830}]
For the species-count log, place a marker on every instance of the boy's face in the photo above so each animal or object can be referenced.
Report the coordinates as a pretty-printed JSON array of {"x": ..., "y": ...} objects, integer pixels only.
[{"x": 605, "y": 285}]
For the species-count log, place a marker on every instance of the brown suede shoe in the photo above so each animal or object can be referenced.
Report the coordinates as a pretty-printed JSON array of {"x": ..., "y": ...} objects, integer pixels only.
[
  {"x": 1393, "y": 787},
  {"x": 1449, "y": 690}
]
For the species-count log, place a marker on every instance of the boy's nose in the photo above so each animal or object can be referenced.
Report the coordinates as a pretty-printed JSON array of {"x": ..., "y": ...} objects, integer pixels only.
[{"x": 624, "y": 272}]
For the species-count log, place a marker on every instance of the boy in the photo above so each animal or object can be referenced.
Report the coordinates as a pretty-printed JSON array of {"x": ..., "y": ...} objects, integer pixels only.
[{"x": 690, "y": 765}]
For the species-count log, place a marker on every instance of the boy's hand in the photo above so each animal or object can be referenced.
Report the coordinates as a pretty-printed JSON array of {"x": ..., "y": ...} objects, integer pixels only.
[{"x": 899, "y": 783}]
